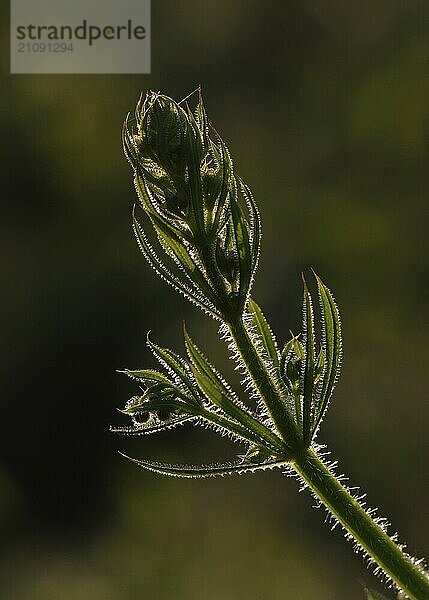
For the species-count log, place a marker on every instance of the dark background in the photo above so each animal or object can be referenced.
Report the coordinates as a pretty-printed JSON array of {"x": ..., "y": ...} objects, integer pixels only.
[{"x": 324, "y": 106}]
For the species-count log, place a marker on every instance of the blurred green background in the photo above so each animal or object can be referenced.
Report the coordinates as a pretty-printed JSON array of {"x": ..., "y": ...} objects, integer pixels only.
[{"x": 324, "y": 106}]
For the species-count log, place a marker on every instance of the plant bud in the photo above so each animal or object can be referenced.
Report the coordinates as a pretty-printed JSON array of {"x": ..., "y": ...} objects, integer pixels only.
[{"x": 186, "y": 185}]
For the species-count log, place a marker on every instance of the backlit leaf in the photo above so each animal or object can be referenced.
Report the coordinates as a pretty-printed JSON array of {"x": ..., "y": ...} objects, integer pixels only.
[
  {"x": 264, "y": 331},
  {"x": 331, "y": 345},
  {"x": 203, "y": 471},
  {"x": 191, "y": 293},
  {"x": 308, "y": 371},
  {"x": 218, "y": 392}
]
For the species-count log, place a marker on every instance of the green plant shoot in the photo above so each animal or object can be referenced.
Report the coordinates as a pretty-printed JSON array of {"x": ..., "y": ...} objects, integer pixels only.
[{"x": 207, "y": 242}]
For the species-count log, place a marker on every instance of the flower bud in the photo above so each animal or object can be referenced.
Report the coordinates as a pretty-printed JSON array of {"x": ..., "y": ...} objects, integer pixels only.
[{"x": 186, "y": 185}]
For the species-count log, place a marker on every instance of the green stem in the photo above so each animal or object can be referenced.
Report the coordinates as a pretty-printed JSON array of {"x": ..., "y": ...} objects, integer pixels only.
[
  {"x": 367, "y": 533},
  {"x": 407, "y": 575},
  {"x": 266, "y": 387}
]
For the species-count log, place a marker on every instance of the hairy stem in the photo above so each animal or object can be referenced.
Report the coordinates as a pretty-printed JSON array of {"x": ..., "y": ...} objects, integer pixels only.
[
  {"x": 264, "y": 383},
  {"x": 367, "y": 533},
  {"x": 362, "y": 527}
]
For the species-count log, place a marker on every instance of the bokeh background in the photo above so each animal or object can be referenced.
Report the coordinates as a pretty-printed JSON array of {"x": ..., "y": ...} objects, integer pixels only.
[{"x": 324, "y": 105}]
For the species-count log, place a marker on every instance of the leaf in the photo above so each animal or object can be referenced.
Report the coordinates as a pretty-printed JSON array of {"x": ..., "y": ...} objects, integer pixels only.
[
  {"x": 331, "y": 345},
  {"x": 172, "y": 362},
  {"x": 241, "y": 236},
  {"x": 255, "y": 224},
  {"x": 157, "y": 218},
  {"x": 151, "y": 173},
  {"x": 160, "y": 398},
  {"x": 214, "y": 393},
  {"x": 225, "y": 164},
  {"x": 146, "y": 375},
  {"x": 298, "y": 349},
  {"x": 193, "y": 151},
  {"x": 217, "y": 391},
  {"x": 175, "y": 365},
  {"x": 191, "y": 293},
  {"x": 203, "y": 471},
  {"x": 173, "y": 243},
  {"x": 159, "y": 403},
  {"x": 308, "y": 372},
  {"x": 202, "y": 120},
  {"x": 152, "y": 426},
  {"x": 264, "y": 331},
  {"x": 286, "y": 355},
  {"x": 209, "y": 381},
  {"x": 255, "y": 454},
  {"x": 198, "y": 359}
]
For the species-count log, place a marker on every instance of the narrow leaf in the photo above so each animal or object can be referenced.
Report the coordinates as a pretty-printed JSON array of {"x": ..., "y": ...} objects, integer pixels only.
[
  {"x": 308, "y": 370},
  {"x": 203, "y": 471},
  {"x": 159, "y": 403},
  {"x": 192, "y": 294},
  {"x": 331, "y": 344},
  {"x": 255, "y": 225},
  {"x": 199, "y": 360},
  {"x": 217, "y": 391},
  {"x": 175, "y": 365},
  {"x": 286, "y": 355},
  {"x": 224, "y": 162},
  {"x": 173, "y": 243},
  {"x": 146, "y": 375},
  {"x": 264, "y": 331},
  {"x": 152, "y": 426},
  {"x": 298, "y": 349},
  {"x": 242, "y": 244}
]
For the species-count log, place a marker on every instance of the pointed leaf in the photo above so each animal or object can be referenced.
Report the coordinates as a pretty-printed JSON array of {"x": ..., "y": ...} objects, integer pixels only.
[
  {"x": 264, "y": 331},
  {"x": 160, "y": 403},
  {"x": 213, "y": 392},
  {"x": 210, "y": 382},
  {"x": 193, "y": 150},
  {"x": 217, "y": 391},
  {"x": 146, "y": 375},
  {"x": 175, "y": 365},
  {"x": 225, "y": 165},
  {"x": 255, "y": 225},
  {"x": 298, "y": 349},
  {"x": 308, "y": 364},
  {"x": 152, "y": 426},
  {"x": 180, "y": 253},
  {"x": 195, "y": 471},
  {"x": 192, "y": 294},
  {"x": 242, "y": 245},
  {"x": 199, "y": 360},
  {"x": 286, "y": 355},
  {"x": 331, "y": 344},
  {"x": 202, "y": 120}
]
